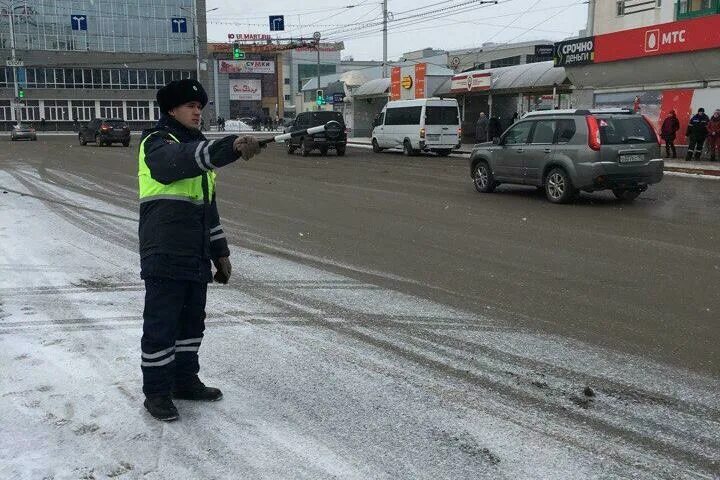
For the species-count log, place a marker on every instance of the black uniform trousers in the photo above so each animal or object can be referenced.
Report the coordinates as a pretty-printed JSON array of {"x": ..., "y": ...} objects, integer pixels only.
[
  {"x": 695, "y": 146},
  {"x": 174, "y": 322}
]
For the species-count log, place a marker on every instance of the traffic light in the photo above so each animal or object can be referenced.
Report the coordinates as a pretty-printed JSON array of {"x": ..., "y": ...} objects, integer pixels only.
[
  {"x": 237, "y": 53},
  {"x": 319, "y": 97},
  {"x": 21, "y": 92}
]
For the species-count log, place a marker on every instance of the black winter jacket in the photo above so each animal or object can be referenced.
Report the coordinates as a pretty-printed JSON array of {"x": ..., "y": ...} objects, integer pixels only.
[{"x": 178, "y": 239}]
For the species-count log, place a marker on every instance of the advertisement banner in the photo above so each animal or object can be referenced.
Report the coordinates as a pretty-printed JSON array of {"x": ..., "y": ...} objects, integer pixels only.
[
  {"x": 470, "y": 82},
  {"x": 579, "y": 51},
  {"x": 395, "y": 83},
  {"x": 246, "y": 66},
  {"x": 420, "y": 71},
  {"x": 246, "y": 89},
  {"x": 661, "y": 39}
]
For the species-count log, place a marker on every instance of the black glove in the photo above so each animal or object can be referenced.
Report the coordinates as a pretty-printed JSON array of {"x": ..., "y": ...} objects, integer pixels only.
[{"x": 224, "y": 269}]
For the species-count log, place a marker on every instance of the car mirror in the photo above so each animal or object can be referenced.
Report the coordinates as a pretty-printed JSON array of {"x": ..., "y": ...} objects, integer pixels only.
[{"x": 496, "y": 141}]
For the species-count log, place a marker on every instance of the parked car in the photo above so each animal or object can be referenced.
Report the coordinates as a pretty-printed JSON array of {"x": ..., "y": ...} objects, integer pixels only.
[
  {"x": 23, "y": 132},
  {"x": 567, "y": 151},
  {"x": 427, "y": 125},
  {"x": 324, "y": 141},
  {"x": 105, "y": 132}
]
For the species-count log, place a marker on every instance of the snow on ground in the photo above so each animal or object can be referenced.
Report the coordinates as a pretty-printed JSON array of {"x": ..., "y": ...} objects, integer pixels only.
[{"x": 324, "y": 376}]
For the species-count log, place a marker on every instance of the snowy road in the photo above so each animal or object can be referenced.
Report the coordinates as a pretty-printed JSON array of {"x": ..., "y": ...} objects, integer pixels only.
[{"x": 324, "y": 376}]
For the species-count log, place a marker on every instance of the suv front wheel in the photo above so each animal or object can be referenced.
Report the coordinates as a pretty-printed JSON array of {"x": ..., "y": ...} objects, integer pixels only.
[
  {"x": 558, "y": 187},
  {"x": 483, "y": 179}
]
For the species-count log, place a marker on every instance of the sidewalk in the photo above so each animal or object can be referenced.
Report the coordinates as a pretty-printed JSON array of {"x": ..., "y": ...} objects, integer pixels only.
[{"x": 671, "y": 165}]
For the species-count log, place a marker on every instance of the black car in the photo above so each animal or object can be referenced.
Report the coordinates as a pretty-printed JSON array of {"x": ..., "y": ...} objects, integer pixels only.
[
  {"x": 320, "y": 141},
  {"x": 105, "y": 132}
]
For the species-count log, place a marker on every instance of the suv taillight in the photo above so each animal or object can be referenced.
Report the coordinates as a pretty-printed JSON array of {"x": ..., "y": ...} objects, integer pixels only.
[
  {"x": 593, "y": 133},
  {"x": 459, "y": 132},
  {"x": 650, "y": 125},
  {"x": 104, "y": 126}
]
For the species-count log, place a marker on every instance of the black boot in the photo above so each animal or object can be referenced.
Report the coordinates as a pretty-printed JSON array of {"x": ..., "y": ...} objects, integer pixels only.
[
  {"x": 197, "y": 391},
  {"x": 161, "y": 407}
]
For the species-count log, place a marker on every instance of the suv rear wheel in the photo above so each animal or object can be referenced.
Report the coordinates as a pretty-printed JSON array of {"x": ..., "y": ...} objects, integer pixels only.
[
  {"x": 290, "y": 147},
  {"x": 626, "y": 195},
  {"x": 340, "y": 151},
  {"x": 558, "y": 187},
  {"x": 305, "y": 148},
  {"x": 483, "y": 179},
  {"x": 82, "y": 140},
  {"x": 98, "y": 141}
]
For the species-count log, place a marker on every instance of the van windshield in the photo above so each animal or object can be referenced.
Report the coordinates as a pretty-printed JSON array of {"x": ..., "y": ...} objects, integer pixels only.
[
  {"x": 441, "y": 116},
  {"x": 626, "y": 129}
]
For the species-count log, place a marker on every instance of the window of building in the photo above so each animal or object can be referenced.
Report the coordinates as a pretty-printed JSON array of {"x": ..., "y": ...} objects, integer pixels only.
[
  {"x": 111, "y": 109},
  {"x": 532, "y": 58},
  {"x": 287, "y": 81},
  {"x": 138, "y": 111},
  {"x": 83, "y": 110},
  {"x": 5, "y": 110},
  {"x": 30, "y": 112},
  {"x": 505, "y": 62},
  {"x": 696, "y": 8},
  {"x": 56, "y": 110},
  {"x": 288, "y": 98}
]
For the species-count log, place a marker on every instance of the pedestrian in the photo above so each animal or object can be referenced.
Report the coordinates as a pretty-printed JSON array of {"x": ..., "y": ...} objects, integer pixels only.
[
  {"x": 714, "y": 135},
  {"x": 514, "y": 118},
  {"x": 42, "y": 124},
  {"x": 180, "y": 234},
  {"x": 481, "y": 128},
  {"x": 696, "y": 132},
  {"x": 668, "y": 131},
  {"x": 494, "y": 128}
]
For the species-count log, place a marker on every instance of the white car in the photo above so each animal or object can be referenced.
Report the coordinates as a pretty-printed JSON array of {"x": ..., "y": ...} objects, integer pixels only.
[{"x": 426, "y": 125}]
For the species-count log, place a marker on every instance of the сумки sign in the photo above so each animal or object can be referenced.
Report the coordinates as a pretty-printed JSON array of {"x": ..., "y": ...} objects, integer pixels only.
[{"x": 246, "y": 89}]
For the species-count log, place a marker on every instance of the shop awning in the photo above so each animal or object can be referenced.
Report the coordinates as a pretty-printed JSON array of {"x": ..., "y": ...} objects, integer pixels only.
[
  {"x": 373, "y": 88},
  {"x": 516, "y": 79}
]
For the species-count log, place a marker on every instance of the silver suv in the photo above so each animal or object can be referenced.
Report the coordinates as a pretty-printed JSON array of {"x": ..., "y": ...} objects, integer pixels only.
[{"x": 566, "y": 151}]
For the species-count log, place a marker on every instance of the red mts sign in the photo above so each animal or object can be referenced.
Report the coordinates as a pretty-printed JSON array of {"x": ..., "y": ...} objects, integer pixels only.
[
  {"x": 395, "y": 83},
  {"x": 661, "y": 39},
  {"x": 420, "y": 71}
]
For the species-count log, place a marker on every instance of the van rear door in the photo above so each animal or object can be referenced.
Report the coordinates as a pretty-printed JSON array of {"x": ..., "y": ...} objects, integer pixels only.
[{"x": 442, "y": 121}]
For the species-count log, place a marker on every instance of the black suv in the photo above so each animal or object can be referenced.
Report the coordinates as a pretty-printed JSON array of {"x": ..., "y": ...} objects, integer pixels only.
[
  {"x": 105, "y": 132},
  {"x": 320, "y": 141}
]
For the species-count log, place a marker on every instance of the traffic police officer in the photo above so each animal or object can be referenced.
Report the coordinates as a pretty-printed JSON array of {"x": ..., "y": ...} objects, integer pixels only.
[{"x": 180, "y": 234}]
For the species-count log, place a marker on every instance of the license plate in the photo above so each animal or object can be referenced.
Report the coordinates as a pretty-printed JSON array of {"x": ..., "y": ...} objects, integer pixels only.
[{"x": 632, "y": 158}]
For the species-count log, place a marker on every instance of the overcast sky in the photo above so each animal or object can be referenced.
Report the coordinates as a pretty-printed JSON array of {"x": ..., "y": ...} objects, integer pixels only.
[{"x": 466, "y": 26}]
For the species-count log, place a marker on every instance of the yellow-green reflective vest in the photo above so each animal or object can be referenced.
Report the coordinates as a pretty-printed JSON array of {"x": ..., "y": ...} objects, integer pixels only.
[{"x": 186, "y": 189}]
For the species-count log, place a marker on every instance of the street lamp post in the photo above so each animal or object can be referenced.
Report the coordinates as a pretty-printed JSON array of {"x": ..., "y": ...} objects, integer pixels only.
[{"x": 196, "y": 36}]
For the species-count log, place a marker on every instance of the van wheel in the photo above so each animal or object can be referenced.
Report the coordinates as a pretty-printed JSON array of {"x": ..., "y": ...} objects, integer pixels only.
[
  {"x": 376, "y": 146},
  {"x": 626, "y": 195},
  {"x": 444, "y": 152},
  {"x": 483, "y": 179},
  {"x": 407, "y": 149},
  {"x": 558, "y": 187}
]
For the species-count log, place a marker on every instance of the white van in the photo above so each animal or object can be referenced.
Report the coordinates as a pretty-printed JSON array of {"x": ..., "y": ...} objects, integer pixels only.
[{"x": 427, "y": 125}]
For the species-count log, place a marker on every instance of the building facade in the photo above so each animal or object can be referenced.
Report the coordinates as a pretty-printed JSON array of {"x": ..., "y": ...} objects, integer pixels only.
[
  {"x": 650, "y": 56},
  {"x": 80, "y": 59},
  {"x": 494, "y": 55}
]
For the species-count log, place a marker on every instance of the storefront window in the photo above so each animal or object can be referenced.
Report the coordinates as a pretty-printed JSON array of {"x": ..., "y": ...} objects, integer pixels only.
[{"x": 697, "y": 8}]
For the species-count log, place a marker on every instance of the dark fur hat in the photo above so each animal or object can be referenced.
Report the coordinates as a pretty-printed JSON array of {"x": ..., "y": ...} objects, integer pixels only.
[{"x": 179, "y": 92}]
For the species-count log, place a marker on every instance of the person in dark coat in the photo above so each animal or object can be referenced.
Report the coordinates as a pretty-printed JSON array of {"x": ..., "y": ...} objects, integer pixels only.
[
  {"x": 481, "y": 128},
  {"x": 668, "y": 131},
  {"x": 180, "y": 235},
  {"x": 494, "y": 128},
  {"x": 697, "y": 133},
  {"x": 714, "y": 135}
]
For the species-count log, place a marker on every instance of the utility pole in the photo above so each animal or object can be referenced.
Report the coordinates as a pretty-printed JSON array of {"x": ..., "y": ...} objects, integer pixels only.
[
  {"x": 385, "y": 40},
  {"x": 316, "y": 36},
  {"x": 590, "y": 28}
]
